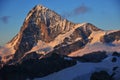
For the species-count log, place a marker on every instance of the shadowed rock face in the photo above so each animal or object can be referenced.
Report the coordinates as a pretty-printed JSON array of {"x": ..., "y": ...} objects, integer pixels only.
[
  {"x": 92, "y": 57},
  {"x": 26, "y": 41},
  {"x": 111, "y": 37},
  {"x": 102, "y": 75}
]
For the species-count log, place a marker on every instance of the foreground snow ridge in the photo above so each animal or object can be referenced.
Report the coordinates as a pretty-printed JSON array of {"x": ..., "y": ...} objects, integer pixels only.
[{"x": 83, "y": 71}]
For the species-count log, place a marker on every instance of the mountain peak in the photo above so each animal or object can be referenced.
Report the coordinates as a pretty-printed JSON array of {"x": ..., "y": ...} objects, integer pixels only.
[
  {"x": 39, "y": 7},
  {"x": 36, "y": 11}
]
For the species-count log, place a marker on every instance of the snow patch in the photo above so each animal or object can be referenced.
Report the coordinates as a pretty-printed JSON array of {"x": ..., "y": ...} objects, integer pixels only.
[
  {"x": 95, "y": 36},
  {"x": 111, "y": 31}
]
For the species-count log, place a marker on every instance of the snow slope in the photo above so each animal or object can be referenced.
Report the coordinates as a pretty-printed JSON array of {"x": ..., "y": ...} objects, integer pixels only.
[
  {"x": 96, "y": 35},
  {"x": 96, "y": 47},
  {"x": 82, "y": 71}
]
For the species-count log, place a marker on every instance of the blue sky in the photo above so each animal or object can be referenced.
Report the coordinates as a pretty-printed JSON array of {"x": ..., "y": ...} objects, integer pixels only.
[{"x": 104, "y": 14}]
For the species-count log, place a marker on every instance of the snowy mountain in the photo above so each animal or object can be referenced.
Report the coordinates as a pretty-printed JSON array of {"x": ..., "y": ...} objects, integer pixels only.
[
  {"x": 41, "y": 24},
  {"x": 44, "y": 32}
]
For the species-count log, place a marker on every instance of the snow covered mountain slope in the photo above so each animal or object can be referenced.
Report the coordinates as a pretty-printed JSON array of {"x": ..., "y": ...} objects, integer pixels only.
[
  {"x": 83, "y": 71},
  {"x": 45, "y": 32}
]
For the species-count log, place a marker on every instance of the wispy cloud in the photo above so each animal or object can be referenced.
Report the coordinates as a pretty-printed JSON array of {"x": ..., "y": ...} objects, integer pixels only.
[
  {"x": 5, "y": 19},
  {"x": 82, "y": 9}
]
